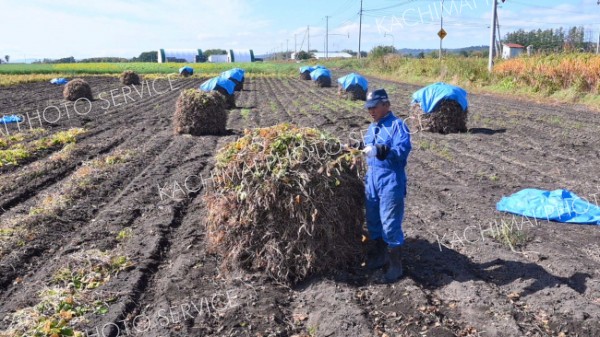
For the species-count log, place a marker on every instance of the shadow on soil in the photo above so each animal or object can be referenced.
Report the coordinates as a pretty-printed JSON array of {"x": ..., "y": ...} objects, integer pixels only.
[
  {"x": 427, "y": 265},
  {"x": 433, "y": 269},
  {"x": 485, "y": 131}
]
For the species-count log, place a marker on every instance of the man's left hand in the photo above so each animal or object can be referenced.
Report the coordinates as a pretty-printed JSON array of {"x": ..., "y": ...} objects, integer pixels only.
[{"x": 382, "y": 151}]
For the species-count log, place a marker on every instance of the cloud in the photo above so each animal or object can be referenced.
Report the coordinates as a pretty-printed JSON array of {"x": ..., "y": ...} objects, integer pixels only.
[{"x": 61, "y": 28}]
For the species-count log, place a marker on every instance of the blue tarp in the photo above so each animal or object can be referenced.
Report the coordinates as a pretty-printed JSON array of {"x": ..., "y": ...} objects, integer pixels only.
[
  {"x": 351, "y": 79},
  {"x": 218, "y": 81},
  {"x": 430, "y": 96},
  {"x": 306, "y": 68},
  {"x": 10, "y": 119},
  {"x": 190, "y": 70},
  {"x": 318, "y": 66},
  {"x": 240, "y": 70},
  {"x": 557, "y": 205},
  {"x": 319, "y": 72},
  {"x": 59, "y": 81},
  {"x": 236, "y": 73}
]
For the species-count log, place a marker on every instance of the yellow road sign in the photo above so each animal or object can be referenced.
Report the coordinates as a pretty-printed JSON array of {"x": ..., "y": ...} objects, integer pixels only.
[{"x": 442, "y": 33}]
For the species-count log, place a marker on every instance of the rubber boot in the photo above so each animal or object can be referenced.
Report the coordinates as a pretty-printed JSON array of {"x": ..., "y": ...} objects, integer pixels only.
[
  {"x": 377, "y": 255},
  {"x": 394, "y": 271}
]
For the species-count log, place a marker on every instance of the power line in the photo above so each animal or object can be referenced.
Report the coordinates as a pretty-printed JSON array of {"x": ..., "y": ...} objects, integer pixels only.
[
  {"x": 388, "y": 7},
  {"x": 342, "y": 8}
]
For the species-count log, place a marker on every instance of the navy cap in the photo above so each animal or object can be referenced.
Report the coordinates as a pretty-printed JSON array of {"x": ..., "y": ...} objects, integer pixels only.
[{"x": 375, "y": 97}]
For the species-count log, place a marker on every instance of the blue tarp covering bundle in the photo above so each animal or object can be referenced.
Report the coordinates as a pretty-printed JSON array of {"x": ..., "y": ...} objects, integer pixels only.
[
  {"x": 318, "y": 66},
  {"x": 212, "y": 84},
  {"x": 190, "y": 70},
  {"x": 351, "y": 79},
  {"x": 307, "y": 68},
  {"x": 430, "y": 96},
  {"x": 319, "y": 72},
  {"x": 10, "y": 119},
  {"x": 558, "y": 205},
  {"x": 59, "y": 81},
  {"x": 235, "y": 73}
]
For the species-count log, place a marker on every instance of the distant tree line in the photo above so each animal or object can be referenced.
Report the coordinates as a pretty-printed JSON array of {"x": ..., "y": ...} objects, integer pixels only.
[
  {"x": 147, "y": 56},
  {"x": 553, "y": 40},
  {"x": 474, "y": 51}
]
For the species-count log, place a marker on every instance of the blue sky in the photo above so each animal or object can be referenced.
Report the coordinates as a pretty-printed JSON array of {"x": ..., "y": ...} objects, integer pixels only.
[{"x": 61, "y": 28}]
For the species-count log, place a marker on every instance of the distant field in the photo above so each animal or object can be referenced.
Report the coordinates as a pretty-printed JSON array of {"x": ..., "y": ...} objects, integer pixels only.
[
  {"x": 143, "y": 68},
  {"x": 558, "y": 77},
  {"x": 12, "y": 74}
]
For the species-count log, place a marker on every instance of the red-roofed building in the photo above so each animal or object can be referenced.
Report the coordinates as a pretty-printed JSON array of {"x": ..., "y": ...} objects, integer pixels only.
[{"x": 510, "y": 50}]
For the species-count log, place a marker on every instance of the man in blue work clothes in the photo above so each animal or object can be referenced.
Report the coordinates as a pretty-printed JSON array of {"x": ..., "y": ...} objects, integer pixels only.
[{"x": 387, "y": 145}]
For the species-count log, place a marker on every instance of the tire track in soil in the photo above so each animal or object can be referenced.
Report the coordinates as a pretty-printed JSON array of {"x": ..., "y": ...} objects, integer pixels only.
[
  {"x": 110, "y": 115},
  {"x": 171, "y": 253},
  {"x": 38, "y": 251},
  {"x": 43, "y": 94},
  {"x": 320, "y": 120},
  {"x": 274, "y": 99},
  {"x": 91, "y": 137},
  {"x": 246, "y": 99},
  {"x": 22, "y": 193},
  {"x": 460, "y": 148},
  {"x": 258, "y": 117},
  {"x": 153, "y": 220},
  {"x": 77, "y": 217},
  {"x": 341, "y": 122},
  {"x": 582, "y": 114},
  {"x": 284, "y": 98},
  {"x": 513, "y": 166},
  {"x": 151, "y": 156}
]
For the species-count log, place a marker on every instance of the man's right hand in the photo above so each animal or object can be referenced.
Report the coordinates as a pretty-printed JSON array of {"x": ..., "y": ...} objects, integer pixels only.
[{"x": 370, "y": 151}]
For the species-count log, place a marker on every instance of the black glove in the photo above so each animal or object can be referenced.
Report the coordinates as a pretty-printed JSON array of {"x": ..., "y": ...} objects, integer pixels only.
[{"x": 382, "y": 151}]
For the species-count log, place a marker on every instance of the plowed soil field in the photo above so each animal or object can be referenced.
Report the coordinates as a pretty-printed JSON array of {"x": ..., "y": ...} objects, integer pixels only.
[{"x": 103, "y": 234}]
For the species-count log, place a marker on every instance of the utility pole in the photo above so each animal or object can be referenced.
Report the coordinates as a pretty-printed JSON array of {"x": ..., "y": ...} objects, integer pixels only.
[
  {"x": 441, "y": 27},
  {"x": 498, "y": 37},
  {"x": 295, "y": 44},
  {"x": 360, "y": 27},
  {"x": 598, "y": 45},
  {"x": 327, "y": 37},
  {"x": 493, "y": 35}
]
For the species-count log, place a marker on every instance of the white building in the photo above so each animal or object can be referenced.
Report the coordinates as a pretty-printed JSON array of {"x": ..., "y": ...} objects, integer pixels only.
[
  {"x": 511, "y": 50},
  {"x": 218, "y": 58},
  {"x": 179, "y": 55},
  {"x": 246, "y": 55}
]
